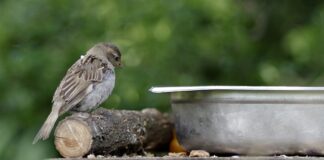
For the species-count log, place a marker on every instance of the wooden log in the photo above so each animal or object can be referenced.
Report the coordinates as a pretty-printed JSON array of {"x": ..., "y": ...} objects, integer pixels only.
[{"x": 112, "y": 132}]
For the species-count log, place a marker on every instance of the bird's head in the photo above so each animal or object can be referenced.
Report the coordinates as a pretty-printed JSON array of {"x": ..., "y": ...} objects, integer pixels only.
[{"x": 107, "y": 51}]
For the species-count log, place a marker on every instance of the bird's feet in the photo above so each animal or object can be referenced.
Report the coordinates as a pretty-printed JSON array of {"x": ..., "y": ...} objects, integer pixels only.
[
  {"x": 81, "y": 115},
  {"x": 90, "y": 120}
]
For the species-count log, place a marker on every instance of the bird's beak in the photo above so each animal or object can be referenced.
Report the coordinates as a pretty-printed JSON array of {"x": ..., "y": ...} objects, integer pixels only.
[{"x": 120, "y": 65}]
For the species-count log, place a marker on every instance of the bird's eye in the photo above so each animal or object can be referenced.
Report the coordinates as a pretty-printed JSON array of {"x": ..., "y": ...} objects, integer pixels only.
[{"x": 116, "y": 58}]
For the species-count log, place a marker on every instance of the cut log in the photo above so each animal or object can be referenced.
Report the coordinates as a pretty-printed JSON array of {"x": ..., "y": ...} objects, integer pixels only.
[{"x": 112, "y": 132}]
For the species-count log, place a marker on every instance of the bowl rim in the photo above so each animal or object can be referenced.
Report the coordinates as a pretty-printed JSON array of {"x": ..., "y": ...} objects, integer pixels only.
[{"x": 171, "y": 89}]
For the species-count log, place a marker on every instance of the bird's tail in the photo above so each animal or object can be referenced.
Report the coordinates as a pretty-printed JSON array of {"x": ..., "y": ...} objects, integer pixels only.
[{"x": 46, "y": 129}]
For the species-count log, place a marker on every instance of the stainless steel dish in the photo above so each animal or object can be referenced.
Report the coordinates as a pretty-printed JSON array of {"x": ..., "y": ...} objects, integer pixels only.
[{"x": 249, "y": 120}]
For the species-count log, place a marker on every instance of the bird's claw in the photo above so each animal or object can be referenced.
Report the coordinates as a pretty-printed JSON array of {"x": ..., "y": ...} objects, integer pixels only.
[{"x": 81, "y": 115}]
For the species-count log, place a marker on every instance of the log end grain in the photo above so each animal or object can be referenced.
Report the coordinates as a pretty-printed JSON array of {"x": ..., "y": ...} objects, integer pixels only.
[{"x": 73, "y": 138}]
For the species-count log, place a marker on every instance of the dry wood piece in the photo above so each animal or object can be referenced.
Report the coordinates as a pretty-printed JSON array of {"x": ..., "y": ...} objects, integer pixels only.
[
  {"x": 112, "y": 132},
  {"x": 178, "y": 154},
  {"x": 199, "y": 153}
]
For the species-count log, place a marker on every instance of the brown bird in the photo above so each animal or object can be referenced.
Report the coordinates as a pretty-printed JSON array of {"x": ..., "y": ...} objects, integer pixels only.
[{"x": 88, "y": 83}]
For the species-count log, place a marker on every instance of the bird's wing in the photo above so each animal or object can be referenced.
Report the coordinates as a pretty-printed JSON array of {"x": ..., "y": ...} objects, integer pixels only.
[{"x": 79, "y": 80}]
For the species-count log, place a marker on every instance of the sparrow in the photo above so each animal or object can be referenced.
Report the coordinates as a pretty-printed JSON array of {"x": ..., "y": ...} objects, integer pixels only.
[{"x": 87, "y": 84}]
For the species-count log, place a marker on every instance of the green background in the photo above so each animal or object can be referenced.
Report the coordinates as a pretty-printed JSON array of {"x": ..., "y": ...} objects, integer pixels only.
[{"x": 163, "y": 42}]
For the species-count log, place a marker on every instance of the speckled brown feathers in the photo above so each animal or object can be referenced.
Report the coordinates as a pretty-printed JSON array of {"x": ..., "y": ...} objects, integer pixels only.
[
  {"x": 87, "y": 83},
  {"x": 80, "y": 76}
]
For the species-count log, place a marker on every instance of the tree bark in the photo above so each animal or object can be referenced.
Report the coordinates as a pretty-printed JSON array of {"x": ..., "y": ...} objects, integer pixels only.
[{"x": 112, "y": 132}]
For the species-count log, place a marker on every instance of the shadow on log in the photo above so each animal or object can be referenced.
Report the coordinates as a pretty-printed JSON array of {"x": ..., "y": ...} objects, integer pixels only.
[{"x": 112, "y": 132}]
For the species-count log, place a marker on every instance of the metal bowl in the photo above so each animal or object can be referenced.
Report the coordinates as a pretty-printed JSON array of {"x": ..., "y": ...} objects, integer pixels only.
[{"x": 249, "y": 120}]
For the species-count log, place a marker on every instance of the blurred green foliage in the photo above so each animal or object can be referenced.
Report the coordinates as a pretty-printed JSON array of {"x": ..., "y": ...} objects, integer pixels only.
[{"x": 163, "y": 42}]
